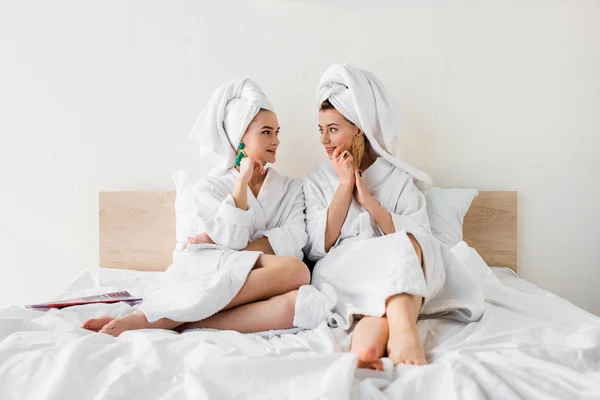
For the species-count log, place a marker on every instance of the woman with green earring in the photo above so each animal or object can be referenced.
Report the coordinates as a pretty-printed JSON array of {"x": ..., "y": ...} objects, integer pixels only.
[{"x": 241, "y": 265}]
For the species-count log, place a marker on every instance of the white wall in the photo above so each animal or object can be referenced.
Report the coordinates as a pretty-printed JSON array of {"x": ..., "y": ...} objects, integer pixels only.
[{"x": 94, "y": 96}]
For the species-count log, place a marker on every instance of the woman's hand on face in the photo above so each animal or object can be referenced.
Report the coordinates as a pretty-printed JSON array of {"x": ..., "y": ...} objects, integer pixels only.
[
  {"x": 202, "y": 238},
  {"x": 361, "y": 192},
  {"x": 248, "y": 166},
  {"x": 342, "y": 164}
]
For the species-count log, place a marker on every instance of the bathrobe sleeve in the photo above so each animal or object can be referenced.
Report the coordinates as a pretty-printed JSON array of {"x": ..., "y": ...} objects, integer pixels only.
[
  {"x": 316, "y": 216},
  {"x": 289, "y": 237},
  {"x": 218, "y": 216}
]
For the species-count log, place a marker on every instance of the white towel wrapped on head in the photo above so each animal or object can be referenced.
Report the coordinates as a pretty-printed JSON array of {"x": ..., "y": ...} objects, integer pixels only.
[
  {"x": 225, "y": 118},
  {"x": 360, "y": 97}
]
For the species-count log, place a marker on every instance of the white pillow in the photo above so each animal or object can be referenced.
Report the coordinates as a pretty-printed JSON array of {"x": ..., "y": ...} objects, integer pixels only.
[
  {"x": 446, "y": 209},
  {"x": 191, "y": 169},
  {"x": 184, "y": 209}
]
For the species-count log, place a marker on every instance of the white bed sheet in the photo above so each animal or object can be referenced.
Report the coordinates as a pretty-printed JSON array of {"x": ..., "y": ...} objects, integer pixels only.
[{"x": 530, "y": 344}]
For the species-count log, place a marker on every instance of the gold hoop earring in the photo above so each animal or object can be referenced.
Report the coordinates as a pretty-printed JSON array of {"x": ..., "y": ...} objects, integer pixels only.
[{"x": 358, "y": 149}]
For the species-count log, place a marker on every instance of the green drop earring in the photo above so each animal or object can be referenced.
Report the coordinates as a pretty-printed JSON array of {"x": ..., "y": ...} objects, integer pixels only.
[{"x": 238, "y": 158}]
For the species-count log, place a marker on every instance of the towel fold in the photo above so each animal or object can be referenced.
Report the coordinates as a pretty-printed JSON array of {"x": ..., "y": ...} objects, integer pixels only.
[{"x": 314, "y": 306}]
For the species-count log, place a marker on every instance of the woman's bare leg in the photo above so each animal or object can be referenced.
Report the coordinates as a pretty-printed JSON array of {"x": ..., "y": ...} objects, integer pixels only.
[
  {"x": 134, "y": 321},
  {"x": 274, "y": 313},
  {"x": 402, "y": 310},
  {"x": 272, "y": 276},
  {"x": 369, "y": 340},
  {"x": 404, "y": 345},
  {"x": 417, "y": 247}
]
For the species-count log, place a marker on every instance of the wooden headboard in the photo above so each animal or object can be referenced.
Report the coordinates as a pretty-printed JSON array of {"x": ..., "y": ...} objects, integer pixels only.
[
  {"x": 490, "y": 227},
  {"x": 137, "y": 229}
]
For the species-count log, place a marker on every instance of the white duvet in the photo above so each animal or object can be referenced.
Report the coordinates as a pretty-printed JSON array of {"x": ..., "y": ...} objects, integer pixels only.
[{"x": 529, "y": 344}]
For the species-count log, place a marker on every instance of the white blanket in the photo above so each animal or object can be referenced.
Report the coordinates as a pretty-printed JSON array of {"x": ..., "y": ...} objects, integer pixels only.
[
  {"x": 201, "y": 282},
  {"x": 365, "y": 267},
  {"x": 47, "y": 356},
  {"x": 530, "y": 344}
]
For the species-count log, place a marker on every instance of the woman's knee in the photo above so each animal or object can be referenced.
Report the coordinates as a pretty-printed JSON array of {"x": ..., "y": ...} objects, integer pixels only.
[
  {"x": 299, "y": 275},
  {"x": 289, "y": 270}
]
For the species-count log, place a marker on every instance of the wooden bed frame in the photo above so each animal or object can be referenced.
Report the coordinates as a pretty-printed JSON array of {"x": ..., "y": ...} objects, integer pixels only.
[{"x": 137, "y": 229}]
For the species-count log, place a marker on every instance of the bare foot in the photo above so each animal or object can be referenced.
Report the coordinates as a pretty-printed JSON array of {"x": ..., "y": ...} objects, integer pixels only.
[
  {"x": 95, "y": 324},
  {"x": 129, "y": 322},
  {"x": 367, "y": 359},
  {"x": 404, "y": 347}
]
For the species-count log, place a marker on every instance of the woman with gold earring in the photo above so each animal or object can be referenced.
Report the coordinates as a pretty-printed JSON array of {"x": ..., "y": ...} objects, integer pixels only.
[{"x": 368, "y": 228}]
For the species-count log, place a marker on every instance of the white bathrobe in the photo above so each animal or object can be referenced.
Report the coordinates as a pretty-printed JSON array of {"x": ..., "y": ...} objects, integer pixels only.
[
  {"x": 200, "y": 282},
  {"x": 366, "y": 267}
]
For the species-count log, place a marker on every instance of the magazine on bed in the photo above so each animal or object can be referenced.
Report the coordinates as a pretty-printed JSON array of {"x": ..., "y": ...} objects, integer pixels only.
[{"x": 114, "y": 297}]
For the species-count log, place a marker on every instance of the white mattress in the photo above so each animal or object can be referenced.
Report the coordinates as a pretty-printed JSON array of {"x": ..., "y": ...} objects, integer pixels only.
[{"x": 529, "y": 344}]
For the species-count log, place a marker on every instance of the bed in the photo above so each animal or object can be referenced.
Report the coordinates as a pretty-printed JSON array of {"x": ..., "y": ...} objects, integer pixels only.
[{"x": 530, "y": 344}]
